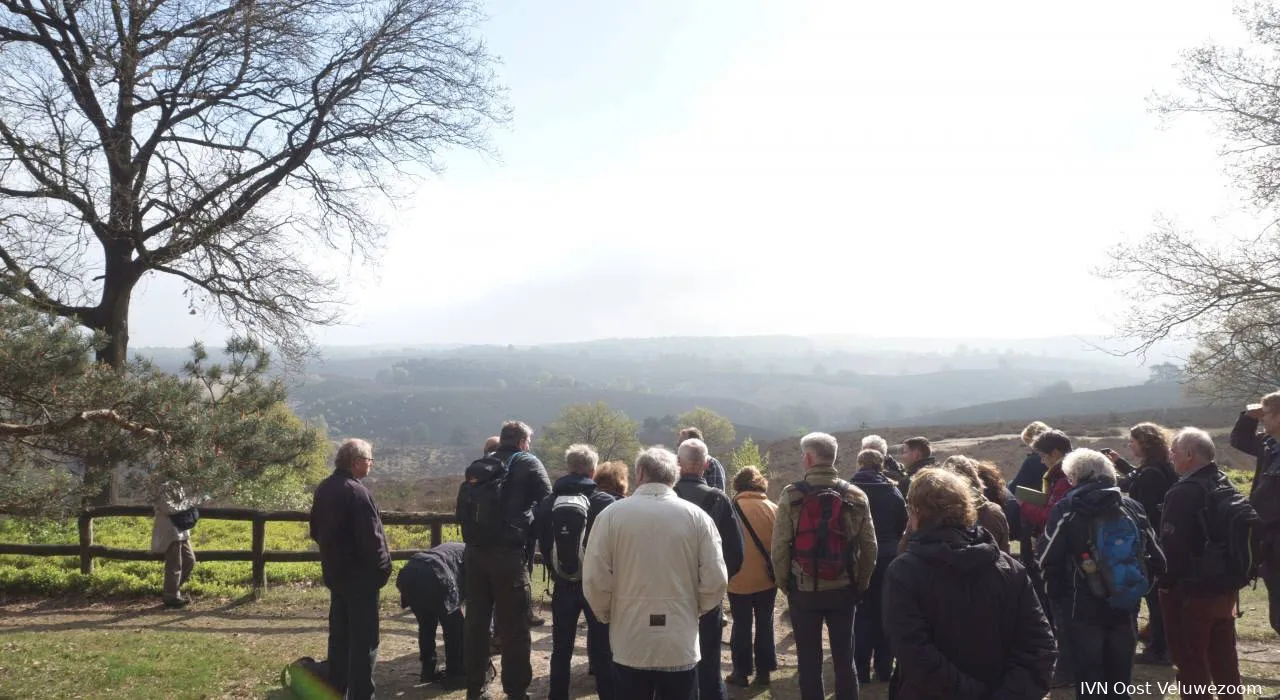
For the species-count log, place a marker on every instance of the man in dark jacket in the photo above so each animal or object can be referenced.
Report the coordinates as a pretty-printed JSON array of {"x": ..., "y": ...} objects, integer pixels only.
[
  {"x": 714, "y": 474},
  {"x": 1265, "y": 495},
  {"x": 889, "y": 515},
  {"x": 356, "y": 564},
  {"x": 1199, "y": 612},
  {"x": 1102, "y": 638},
  {"x": 917, "y": 454},
  {"x": 565, "y": 566},
  {"x": 692, "y": 457},
  {"x": 497, "y": 580},
  {"x": 962, "y": 619},
  {"x": 432, "y": 584}
]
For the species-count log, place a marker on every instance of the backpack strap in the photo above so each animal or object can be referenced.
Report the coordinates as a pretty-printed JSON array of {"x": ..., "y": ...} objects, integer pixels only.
[{"x": 768, "y": 559}]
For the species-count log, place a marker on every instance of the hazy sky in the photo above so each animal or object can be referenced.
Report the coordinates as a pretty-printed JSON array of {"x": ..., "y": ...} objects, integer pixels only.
[{"x": 712, "y": 167}]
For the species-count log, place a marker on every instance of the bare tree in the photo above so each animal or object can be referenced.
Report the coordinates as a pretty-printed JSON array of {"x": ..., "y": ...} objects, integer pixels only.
[
  {"x": 1226, "y": 297},
  {"x": 213, "y": 141}
]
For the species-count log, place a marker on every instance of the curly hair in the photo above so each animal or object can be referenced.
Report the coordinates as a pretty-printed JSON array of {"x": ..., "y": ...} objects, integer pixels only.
[
  {"x": 1033, "y": 430},
  {"x": 611, "y": 477},
  {"x": 1153, "y": 441},
  {"x": 750, "y": 479},
  {"x": 939, "y": 498},
  {"x": 993, "y": 483},
  {"x": 964, "y": 468},
  {"x": 871, "y": 458}
]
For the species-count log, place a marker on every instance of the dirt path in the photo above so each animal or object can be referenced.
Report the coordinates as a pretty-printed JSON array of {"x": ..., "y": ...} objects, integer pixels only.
[{"x": 289, "y": 629}]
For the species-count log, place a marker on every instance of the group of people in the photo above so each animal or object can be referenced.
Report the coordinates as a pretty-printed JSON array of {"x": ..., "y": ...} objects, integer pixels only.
[{"x": 907, "y": 565}]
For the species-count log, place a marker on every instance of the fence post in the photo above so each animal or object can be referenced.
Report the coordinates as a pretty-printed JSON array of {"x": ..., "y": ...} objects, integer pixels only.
[
  {"x": 259, "y": 564},
  {"x": 437, "y": 534},
  {"x": 86, "y": 542}
]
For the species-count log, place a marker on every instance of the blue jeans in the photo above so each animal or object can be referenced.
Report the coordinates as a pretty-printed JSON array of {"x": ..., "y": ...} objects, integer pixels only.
[
  {"x": 710, "y": 684},
  {"x": 809, "y": 612},
  {"x": 645, "y": 684},
  {"x": 567, "y": 604},
  {"x": 746, "y": 607},
  {"x": 868, "y": 629}
]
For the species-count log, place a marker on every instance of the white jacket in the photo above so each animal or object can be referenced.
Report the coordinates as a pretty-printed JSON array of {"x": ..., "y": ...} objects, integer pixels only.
[{"x": 653, "y": 567}]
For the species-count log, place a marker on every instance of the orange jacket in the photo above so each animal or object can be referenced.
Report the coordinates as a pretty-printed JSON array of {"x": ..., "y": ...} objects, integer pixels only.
[{"x": 753, "y": 577}]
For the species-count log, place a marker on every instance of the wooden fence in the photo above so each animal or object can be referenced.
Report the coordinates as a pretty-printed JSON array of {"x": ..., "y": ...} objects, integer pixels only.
[{"x": 258, "y": 554}]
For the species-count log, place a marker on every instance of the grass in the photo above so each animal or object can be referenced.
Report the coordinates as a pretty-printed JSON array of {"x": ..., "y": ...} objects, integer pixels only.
[
  {"x": 21, "y": 574},
  {"x": 132, "y": 663}
]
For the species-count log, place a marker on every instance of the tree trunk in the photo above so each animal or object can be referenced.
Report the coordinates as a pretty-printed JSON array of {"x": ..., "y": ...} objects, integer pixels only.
[{"x": 112, "y": 320}]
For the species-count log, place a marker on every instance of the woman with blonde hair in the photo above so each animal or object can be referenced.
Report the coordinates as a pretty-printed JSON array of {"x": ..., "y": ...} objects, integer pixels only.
[
  {"x": 752, "y": 591},
  {"x": 961, "y": 616}
]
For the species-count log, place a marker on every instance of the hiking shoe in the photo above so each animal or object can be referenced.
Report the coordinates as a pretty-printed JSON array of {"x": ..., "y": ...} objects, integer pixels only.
[
  {"x": 1150, "y": 658},
  {"x": 176, "y": 602},
  {"x": 535, "y": 621},
  {"x": 762, "y": 679},
  {"x": 738, "y": 679}
]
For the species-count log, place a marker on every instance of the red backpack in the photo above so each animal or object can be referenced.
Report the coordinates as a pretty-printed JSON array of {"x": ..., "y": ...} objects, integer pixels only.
[{"x": 820, "y": 548}]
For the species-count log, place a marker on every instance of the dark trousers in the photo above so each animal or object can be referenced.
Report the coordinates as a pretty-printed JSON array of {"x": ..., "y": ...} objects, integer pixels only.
[
  {"x": 1061, "y": 619},
  {"x": 1155, "y": 622},
  {"x": 429, "y": 617},
  {"x": 1271, "y": 577},
  {"x": 746, "y": 608},
  {"x": 567, "y": 605},
  {"x": 498, "y": 585},
  {"x": 809, "y": 611},
  {"x": 1102, "y": 652},
  {"x": 353, "y": 641},
  {"x": 710, "y": 684},
  {"x": 643, "y": 684},
  {"x": 868, "y": 629},
  {"x": 1201, "y": 631}
]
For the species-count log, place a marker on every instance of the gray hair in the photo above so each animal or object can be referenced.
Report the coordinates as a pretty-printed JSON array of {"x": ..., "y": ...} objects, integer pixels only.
[
  {"x": 349, "y": 450},
  {"x": 1083, "y": 464},
  {"x": 657, "y": 465},
  {"x": 1199, "y": 441},
  {"x": 581, "y": 459},
  {"x": 820, "y": 445},
  {"x": 692, "y": 453},
  {"x": 877, "y": 443}
]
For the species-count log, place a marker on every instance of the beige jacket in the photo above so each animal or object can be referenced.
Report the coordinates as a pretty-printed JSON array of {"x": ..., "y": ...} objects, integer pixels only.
[
  {"x": 858, "y": 531},
  {"x": 170, "y": 499},
  {"x": 653, "y": 567}
]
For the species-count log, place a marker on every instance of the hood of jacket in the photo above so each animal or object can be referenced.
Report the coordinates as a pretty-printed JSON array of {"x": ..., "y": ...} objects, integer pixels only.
[
  {"x": 958, "y": 551},
  {"x": 869, "y": 477},
  {"x": 573, "y": 483},
  {"x": 1091, "y": 496}
]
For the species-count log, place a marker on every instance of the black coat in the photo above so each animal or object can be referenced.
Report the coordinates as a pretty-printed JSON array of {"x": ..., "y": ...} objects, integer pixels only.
[
  {"x": 904, "y": 484},
  {"x": 1182, "y": 535},
  {"x": 964, "y": 622},
  {"x": 1265, "y": 494},
  {"x": 345, "y": 524},
  {"x": 1030, "y": 474},
  {"x": 436, "y": 578},
  {"x": 1148, "y": 485},
  {"x": 716, "y": 504},
  {"x": 1067, "y": 539},
  {"x": 567, "y": 485},
  {"x": 527, "y": 484},
  {"x": 888, "y": 509}
]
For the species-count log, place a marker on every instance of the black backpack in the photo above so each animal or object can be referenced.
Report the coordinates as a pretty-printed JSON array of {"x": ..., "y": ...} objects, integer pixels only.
[
  {"x": 1231, "y": 526},
  {"x": 480, "y": 501},
  {"x": 185, "y": 519},
  {"x": 569, "y": 514}
]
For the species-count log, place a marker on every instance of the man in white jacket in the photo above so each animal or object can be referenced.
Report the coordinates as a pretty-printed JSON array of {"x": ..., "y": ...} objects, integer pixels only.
[{"x": 653, "y": 567}]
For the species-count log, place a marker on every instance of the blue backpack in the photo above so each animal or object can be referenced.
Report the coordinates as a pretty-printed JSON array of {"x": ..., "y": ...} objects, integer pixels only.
[{"x": 1119, "y": 548}]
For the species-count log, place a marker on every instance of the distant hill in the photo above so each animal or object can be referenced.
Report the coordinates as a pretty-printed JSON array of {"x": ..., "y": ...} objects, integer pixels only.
[{"x": 1118, "y": 400}]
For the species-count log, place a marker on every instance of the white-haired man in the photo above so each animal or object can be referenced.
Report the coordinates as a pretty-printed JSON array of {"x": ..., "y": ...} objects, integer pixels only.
[
  {"x": 653, "y": 568},
  {"x": 1096, "y": 525},
  {"x": 693, "y": 457},
  {"x": 823, "y": 570},
  {"x": 891, "y": 469},
  {"x": 356, "y": 564},
  {"x": 563, "y": 526},
  {"x": 1199, "y": 620},
  {"x": 1265, "y": 494}
]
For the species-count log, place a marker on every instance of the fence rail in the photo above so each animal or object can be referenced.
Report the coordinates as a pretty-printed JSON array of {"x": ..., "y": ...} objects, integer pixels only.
[{"x": 258, "y": 555}]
